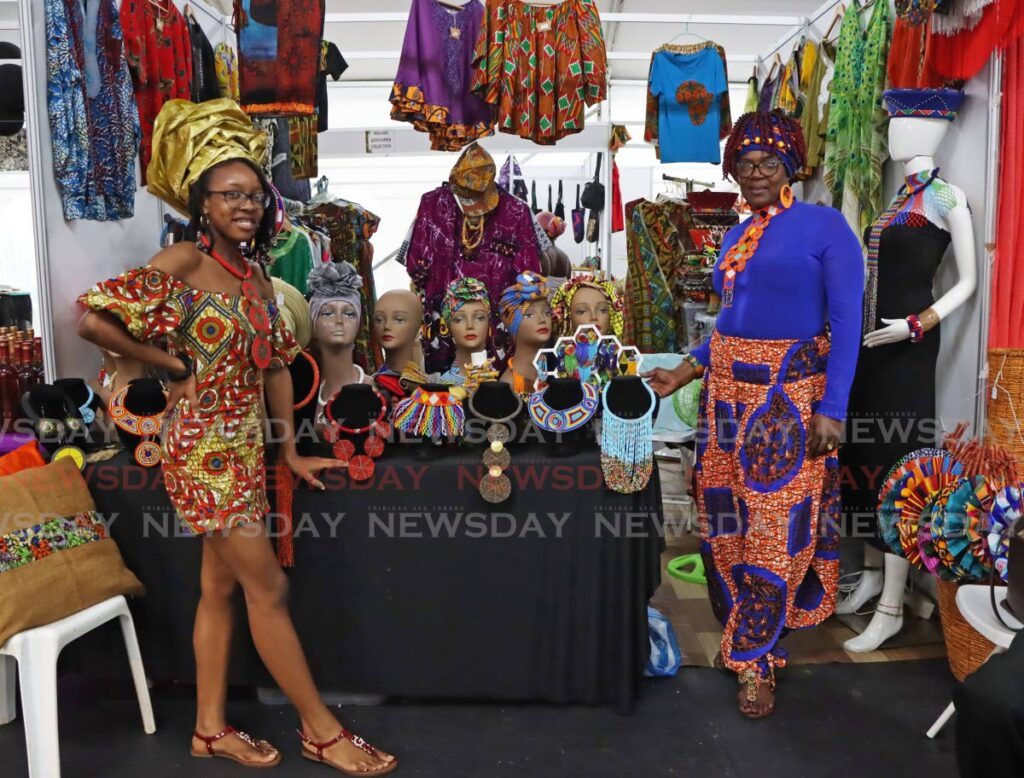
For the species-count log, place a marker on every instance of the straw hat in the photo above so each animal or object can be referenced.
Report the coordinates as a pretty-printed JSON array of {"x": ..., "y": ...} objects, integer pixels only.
[{"x": 294, "y": 310}]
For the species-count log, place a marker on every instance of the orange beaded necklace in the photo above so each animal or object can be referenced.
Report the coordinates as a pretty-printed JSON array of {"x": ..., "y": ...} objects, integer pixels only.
[{"x": 736, "y": 258}]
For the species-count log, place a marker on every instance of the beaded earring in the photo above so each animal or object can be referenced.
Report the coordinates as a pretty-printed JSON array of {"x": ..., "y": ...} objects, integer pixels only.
[
  {"x": 495, "y": 487},
  {"x": 147, "y": 452},
  {"x": 360, "y": 467}
]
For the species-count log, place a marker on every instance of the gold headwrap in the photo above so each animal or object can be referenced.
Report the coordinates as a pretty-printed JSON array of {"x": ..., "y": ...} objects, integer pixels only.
[
  {"x": 190, "y": 137},
  {"x": 561, "y": 303}
]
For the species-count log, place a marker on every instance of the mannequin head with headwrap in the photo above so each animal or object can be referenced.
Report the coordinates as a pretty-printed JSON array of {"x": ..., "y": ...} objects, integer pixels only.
[
  {"x": 526, "y": 314},
  {"x": 588, "y": 299},
  {"x": 466, "y": 314},
  {"x": 335, "y": 307}
]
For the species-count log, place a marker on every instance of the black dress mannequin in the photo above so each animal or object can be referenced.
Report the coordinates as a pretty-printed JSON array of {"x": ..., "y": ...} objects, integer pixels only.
[
  {"x": 562, "y": 394},
  {"x": 892, "y": 401}
]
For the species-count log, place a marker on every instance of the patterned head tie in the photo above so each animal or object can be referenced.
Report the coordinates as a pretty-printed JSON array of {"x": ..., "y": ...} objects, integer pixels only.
[
  {"x": 923, "y": 103},
  {"x": 561, "y": 303},
  {"x": 773, "y": 132},
  {"x": 528, "y": 289},
  {"x": 333, "y": 282},
  {"x": 460, "y": 292},
  {"x": 189, "y": 138}
]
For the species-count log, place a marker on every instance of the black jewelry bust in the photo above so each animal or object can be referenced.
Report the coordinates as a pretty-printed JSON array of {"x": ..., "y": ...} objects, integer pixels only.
[
  {"x": 354, "y": 406},
  {"x": 559, "y": 395},
  {"x": 78, "y": 391},
  {"x": 494, "y": 400},
  {"x": 56, "y": 420},
  {"x": 628, "y": 398}
]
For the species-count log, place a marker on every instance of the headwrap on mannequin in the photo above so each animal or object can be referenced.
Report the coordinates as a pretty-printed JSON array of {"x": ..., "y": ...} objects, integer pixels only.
[
  {"x": 332, "y": 282},
  {"x": 561, "y": 303},
  {"x": 460, "y": 292},
  {"x": 528, "y": 289},
  {"x": 190, "y": 137}
]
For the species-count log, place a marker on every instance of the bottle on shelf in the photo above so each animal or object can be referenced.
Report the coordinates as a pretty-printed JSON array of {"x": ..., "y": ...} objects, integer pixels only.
[
  {"x": 37, "y": 360},
  {"x": 26, "y": 374},
  {"x": 10, "y": 397}
]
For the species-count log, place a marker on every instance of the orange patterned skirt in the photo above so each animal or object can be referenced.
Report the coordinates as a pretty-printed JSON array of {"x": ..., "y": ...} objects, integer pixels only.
[{"x": 769, "y": 513}]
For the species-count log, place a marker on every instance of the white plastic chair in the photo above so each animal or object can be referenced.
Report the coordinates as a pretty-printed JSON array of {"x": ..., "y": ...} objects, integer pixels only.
[
  {"x": 975, "y": 604},
  {"x": 36, "y": 651}
]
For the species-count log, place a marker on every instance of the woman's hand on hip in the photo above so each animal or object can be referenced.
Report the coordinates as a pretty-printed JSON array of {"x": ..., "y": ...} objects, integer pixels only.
[
  {"x": 894, "y": 331},
  {"x": 183, "y": 390},
  {"x": 664, "y": 382},
  {"x": 824, "y": 436}
]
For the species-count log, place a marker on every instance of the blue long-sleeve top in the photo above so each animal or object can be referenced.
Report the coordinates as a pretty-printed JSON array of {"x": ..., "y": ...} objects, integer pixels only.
[{"x": 808, "y": 269}]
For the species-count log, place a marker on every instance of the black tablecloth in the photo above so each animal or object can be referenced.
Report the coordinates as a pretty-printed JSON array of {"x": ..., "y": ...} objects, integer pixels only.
[{"x": 412, "y": 585}]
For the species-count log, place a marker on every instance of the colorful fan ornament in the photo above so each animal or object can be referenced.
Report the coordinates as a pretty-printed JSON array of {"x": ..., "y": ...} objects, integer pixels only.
[
  {"x": 958, "y": 531},
  {"x": 1007, "y": 508},
  {"x": 891, "y": 490},
  {"x": 927, "y": 555},
  {"x": 588, "y": 356}
]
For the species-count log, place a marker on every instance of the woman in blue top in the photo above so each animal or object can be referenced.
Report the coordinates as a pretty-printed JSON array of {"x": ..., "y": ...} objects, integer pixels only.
[{"x": 777, "y": 374}]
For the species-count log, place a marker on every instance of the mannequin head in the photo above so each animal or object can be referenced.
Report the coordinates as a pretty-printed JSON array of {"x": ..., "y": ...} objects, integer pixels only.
[
  {"x": 914, "y": 136},
  {"x": 469, "y": 326},
  {"x": 535, "y": 327},
  {"x": 525, "y": 310},
  {"x": 588, "y": 300},
  {"x": 335, "y": 306},
  {"x": 396, "y": 320}
]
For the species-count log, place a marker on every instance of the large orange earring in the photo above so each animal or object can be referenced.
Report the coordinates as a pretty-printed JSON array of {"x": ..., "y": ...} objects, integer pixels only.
[{"x": 786, "y": 197}]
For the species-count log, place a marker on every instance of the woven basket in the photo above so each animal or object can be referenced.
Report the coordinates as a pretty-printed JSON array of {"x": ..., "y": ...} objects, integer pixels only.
[
  {"x": 1006, "y": 366},
  {"x": 966, "y": 649}
]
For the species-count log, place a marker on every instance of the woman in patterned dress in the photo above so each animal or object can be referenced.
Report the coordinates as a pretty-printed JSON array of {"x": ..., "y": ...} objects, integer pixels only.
[
  {"x": 772, "y": 408},
  {"x": 228, "y": 344}
]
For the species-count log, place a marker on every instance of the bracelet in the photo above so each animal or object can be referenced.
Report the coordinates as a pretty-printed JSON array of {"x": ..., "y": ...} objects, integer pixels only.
[
  {"x": 929, "y": 319},
  {"x": 186, "y": 373},
  {"x": 916, "y": 329},
  {"x": 693, "y": 362}
]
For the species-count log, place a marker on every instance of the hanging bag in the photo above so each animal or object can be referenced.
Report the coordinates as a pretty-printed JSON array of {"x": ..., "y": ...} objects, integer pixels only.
[
  {"x": 551, "y": 207},
  {"x": 578, "y": 219},
  {"x": 560, "y": 206},
  {"x": 593, "y": 192},
  {"x": 533, "y": 198}
]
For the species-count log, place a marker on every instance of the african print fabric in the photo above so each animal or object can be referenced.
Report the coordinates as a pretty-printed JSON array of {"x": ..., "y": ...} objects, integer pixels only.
[
  {"x": 159, "y": 53},
  {"x": 212, "y": 454},
  {"x": 26, "y": 545},
  {"x": 226, "y": 63},
  {"x": 653, "y": 247},
  {"x": 431, "y": 88},
  {"x": 94, "y": 123},
  {"x": 540, "y": 66},
  {"x": 279, "y": 55},
  {"x": 768, "y": 513}
]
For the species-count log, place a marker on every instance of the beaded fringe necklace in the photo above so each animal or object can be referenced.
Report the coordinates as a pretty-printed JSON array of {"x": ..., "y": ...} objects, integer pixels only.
[
  {"x": 430, "y": 414},
  {"x": 627, "y": 448}
]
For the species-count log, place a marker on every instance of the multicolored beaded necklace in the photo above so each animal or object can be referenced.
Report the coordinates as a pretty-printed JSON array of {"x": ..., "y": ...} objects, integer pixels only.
[
  {"x": 430, "y": 414},
  {"x": 627, "y": 451},
  {"x": 736, "y": 258}
]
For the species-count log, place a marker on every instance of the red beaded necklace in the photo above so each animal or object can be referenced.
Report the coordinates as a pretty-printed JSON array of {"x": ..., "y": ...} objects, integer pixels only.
[
  {"x": 361, "y": 467},
  {"x": 256, "y": 313}
]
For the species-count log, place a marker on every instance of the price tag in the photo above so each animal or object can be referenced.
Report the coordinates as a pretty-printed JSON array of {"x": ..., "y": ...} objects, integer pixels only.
[
  {"x": 380, "y": 141},
  {"x": 456, "y": 33},
  {"x": 544, "y": 26}
]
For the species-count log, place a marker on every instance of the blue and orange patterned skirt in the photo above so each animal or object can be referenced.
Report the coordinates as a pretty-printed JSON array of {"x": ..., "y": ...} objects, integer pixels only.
[{"x": 769, "y": 513}]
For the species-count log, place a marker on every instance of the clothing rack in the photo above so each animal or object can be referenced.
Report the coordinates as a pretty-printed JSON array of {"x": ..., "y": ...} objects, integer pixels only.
[{"x": 689, "y": 183}]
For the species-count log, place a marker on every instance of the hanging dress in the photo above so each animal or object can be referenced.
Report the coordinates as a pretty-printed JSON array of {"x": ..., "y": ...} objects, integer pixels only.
[{"x": 431, "y": 90}]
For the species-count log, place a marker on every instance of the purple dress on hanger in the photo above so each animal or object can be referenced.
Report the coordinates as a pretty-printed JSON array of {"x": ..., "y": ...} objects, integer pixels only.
[{"x": 431, "y": 90}]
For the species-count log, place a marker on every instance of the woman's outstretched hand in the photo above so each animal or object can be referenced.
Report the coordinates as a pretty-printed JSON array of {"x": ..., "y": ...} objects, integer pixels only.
[
  {"x": 307, "y": 468},
  {"x": 664, "y": 382}
]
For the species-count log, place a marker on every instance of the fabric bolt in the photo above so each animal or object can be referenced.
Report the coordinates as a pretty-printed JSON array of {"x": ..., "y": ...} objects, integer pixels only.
[
  {"x": 436, "y": 257},
  {"x": 652, "y": 245},
  {"x": 332, "y": 64},
  {"x": 159, "y": 54},
  {"x": 291, "y": 259},
  {"x": 212, "y": 454},
  {"x": 688, "y": 87},
  {"x": 431, "y": 89},
  {"x": 540, "y": 66},
  {"x": 791, "y": 295},
  {"x": 226, "y": 64},
  {"x": 94, "y": 123},
  {"x": 204, "y": 84},
  {"x": 279, "y": 55},
  {"x": 1007, "y": 316},
  {"x": 897, "y": 381},
  {"x": 768, "y": 512},
  {"x": 652, "y": 118}
]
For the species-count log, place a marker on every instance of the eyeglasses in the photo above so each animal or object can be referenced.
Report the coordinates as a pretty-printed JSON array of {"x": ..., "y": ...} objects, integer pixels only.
[
  {"x": 237, "y": 199},
  {"x": 766, "y": 167}
]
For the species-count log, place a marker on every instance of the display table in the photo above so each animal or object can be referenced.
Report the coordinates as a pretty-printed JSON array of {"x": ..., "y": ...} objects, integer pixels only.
[{"x": 412, "y": 585}]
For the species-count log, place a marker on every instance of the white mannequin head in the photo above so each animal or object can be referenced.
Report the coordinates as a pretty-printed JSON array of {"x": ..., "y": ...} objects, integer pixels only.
[{"x": 915, "y": 136}]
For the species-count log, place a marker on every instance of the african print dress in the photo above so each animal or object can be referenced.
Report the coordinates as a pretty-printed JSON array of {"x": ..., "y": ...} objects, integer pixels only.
[
  {"x": 541, "y": 66},
  {"x": 212, "y": 454}
]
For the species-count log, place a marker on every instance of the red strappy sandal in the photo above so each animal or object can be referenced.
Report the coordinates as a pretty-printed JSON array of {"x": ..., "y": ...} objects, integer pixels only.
[
  {"x": 262, "y": 746},
  {"x": 357, "y": 741}
]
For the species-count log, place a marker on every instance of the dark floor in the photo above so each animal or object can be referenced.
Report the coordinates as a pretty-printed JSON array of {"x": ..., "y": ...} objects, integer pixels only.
[{"x": 832, "y": 720}]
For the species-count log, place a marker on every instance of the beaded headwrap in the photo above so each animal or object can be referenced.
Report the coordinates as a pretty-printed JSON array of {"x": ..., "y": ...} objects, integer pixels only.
[
  {"x": 772, "y": 132},
  {"x": 333, "y": 281},
  {"x": 528, "y": 289},
  {"x": 561, "y": 303},
  {"x": 461, "y": 292}
]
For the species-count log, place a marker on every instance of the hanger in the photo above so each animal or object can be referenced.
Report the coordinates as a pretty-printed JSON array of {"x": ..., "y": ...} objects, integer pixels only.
[
  {"x": 840, "y": 12},
  {"x": 866, "y": 6},
  {"x": 686, "y": 31},
  {"x": 776, "y": 62},
  {"x": 455, "y": 5}
]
